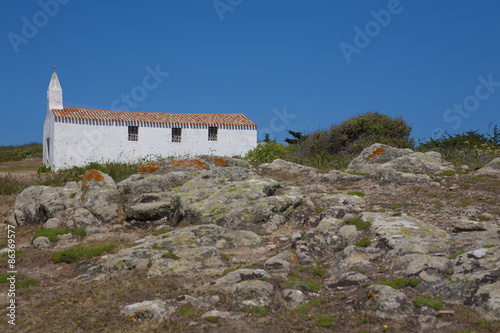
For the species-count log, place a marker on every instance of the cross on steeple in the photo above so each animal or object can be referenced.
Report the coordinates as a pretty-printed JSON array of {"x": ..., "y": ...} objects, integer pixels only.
[{"x": 54, "y": 68}]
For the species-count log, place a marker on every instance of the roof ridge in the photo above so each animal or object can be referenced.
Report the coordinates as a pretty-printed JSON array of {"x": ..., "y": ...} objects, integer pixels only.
[{"x": 231, "y": 119}]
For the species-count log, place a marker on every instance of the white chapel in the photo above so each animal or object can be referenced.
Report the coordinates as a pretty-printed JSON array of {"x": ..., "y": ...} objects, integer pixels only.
[{"x": 76, "y": 136}]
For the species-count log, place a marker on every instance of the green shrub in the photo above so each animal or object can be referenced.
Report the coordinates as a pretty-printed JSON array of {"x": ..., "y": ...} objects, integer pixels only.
[
  {"x": 18, "y": 153},
  {"x": 79, "y": 252},
  {"x": 10, "y": 185},
  {"x": 470, "y": 148},
  {"x": 266, "y": 153}
]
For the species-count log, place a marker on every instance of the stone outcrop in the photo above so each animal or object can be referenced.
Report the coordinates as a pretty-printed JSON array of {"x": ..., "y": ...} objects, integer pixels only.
[{"x": 247, "y": 242}]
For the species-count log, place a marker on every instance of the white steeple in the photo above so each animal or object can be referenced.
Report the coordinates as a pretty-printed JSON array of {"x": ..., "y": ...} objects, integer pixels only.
[{"x": 54, "y": 93}]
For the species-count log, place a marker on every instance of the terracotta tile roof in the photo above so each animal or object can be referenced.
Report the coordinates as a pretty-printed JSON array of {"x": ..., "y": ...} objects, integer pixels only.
[{"x": 209, "y": 119}]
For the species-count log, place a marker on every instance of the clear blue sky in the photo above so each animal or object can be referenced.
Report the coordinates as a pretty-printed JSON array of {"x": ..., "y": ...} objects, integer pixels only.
[{"x": 286, "y": 64}]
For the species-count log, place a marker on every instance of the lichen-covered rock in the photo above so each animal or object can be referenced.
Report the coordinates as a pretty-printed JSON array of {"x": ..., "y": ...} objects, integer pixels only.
[
  {"x": 371, "y": 158},
  {"x": 36, "y": 204},
  {"x": 206, "y": 235},
  {"x": 183, "y": 261},
  {"x": 233, "y": 278},
  {"x": 145, "y": 183},
  {"x": 289, "y": 168},
  {"x": 336, "y": 176},
  {"x": 41, "y": 243},
  {"x": 388, "y": 303},
  {"x": 52, "y": 223},
  {"x": 388, "y": 175},
  {"x": 232, "y": 197},
  {"x": 293, "y": 297},
  {"x": 282, "y": 261},
  {"x": 382, "y": 156},
  {"x": 407, "y": 235},
  {"x": 420, "y": 162},
  {"x": 148, "y": 310},
  {"x": 100, "y": 195},
  {"x": 252, "y": 293},
  {"x": 192, "y": 249},
  {"x": 492, "y": 168},
  {"x": 148, "y": 206}
]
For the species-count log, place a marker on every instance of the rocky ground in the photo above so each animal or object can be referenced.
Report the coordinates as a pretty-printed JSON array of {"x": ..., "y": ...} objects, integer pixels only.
[{"x": 400, "y": 242}]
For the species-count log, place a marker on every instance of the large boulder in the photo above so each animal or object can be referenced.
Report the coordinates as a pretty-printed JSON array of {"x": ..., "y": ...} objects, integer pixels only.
[
  {"x": 492, "y": 168},
  {"x": 148, "y": 310},
  {"x": 37, "y": 204},
  {"x": 100, "y": 196},
  {"x": 374, "y": 156},
  {"x": 382, "y": 156},
  {"x": 235, "y": 198},
  {"x": 407, "y": 235},
  {"x": 192, "y": 249}
]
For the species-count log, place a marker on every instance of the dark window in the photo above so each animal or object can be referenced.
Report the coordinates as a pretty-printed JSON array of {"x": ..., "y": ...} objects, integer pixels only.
[
  {"x": 133, "y": 133},
  {"x": 176, "y": 134},
  {"x": 212, "y": 133}
]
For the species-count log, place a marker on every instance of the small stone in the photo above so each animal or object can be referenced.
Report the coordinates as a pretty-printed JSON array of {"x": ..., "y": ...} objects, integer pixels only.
[
  {"x": 479, "y": 253},
  {"x": 296, "y": 236},
  {"x": 63, "y": 237},
  {"x": 52, "y": 223},
  {"x": 41, "y": 243},
  {"x": 445, "y": 313}
]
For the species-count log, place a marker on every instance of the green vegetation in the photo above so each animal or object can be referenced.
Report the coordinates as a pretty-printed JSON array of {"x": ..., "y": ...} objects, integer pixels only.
[
  {"x": 18, "y": 153},
  {"x": 395, "y": 206},
  {"x": 3, "y": 277},
  {"x": 161, "y": 231},
  {"x": 185, "y": 310},
  {"x": 117, "y": 171},
  {"x": 79, "y": 252},
  {"x": 27, "y": 283},
  {"x": 435, "y": 303},
  {"x": 336, "y": 147},
  {"x": 364, "y": 242},
  {"x": 358, "y": 193},
  {"x": 470, "y": 148},
  {"x": 453, "y": 256},
  {"x": 325, "y": 321},
  {"x": 359, "y": 223},
  {"x": 400, "y": 283},
  {"x": 9, "y": 185},
  {"x": 51, "y": 234},
  {"x": 212, "y": 319}
]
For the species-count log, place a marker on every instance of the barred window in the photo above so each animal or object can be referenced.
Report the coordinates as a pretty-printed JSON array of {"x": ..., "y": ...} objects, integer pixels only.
[
  {"x": 212, "y": 133},
  {"x": 176, "y": 134},
  {"x": 133, "y": 133}
]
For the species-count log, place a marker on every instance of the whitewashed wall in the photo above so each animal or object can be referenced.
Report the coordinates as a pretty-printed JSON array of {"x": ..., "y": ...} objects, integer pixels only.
[{"x": 77, "y": 144}]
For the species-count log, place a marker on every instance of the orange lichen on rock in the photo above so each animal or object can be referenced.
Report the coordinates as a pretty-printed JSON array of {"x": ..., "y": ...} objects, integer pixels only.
[
  {"x": 219, "y": 161},
  {"x": 376, "y": 152},
  {"x": 149, "y": 168},
  {"x": 91, "y": 175},
  {"x": 194, "y": 163},
  {"x": 293, "y": 258}
]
